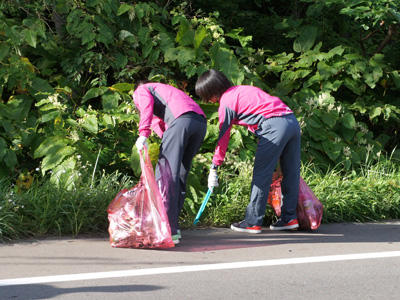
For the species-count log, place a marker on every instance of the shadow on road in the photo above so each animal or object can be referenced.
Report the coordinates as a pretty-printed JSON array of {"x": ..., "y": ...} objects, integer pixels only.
[
  {"x": 44, "y": 291},
  {"x": 220, "y": 239}
]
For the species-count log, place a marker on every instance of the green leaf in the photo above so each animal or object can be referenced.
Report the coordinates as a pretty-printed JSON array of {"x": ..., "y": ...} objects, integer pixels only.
[
  {"x": 329, "y": 117},
  {"x": 30, "y": 37},
  {"x": 40, "y": 85},
  {"x": 144, "y": 35},
  {"x": 336, "y": 51},
  {"x": 90, "y": 123},
  {"x": 395, "y": 13},
  {"x": 356, "y": 87},
  {"x": 171, "y": 54},
  {"x": 48, "y": 144},
  {"x": 243, "y": 40},
  {"x": 4, "y": 50},
  {"x": 355, "y": 157},
  {"x": 10, "y": 159},
  {"x": 18, "y": 107},
  {"x": 120, "y": 60},
  {"x": 3, "y": 148},
  {"x": 93, "y": 93},
  {"x": 55, "y": 156},
  {"x": 314, "y": 122},
  {"x": 8, "y": 127},
  {"x": 347, "y": 134},
  {"x": 349, "y": 121},
  {"x": 185, "y": 55},
  {"x": 306, "y": 39},
  {"x": 375, "y": 112},
  {"x": 124, "y": 34},
  {"x": 396, "y": 79},
  {"x": 123, "y": 87},
  {"x": 236, "y": 140},
  {"x": 185, "y": 34},
  {"x": 64, "y": 175},
  {"x": 225, "y": 61},
  {"x": 110, "y": 100},
  {"x": 316, "y": 134},
  {"x": 107, "y": 121},
  {"x": 135, "y": 162},
  {"x": 199, "y": 36},
  {"x": 146, "y": 49},
  {"x": 332, "y": 149},
  {"x": 124, "y": 8},
  {"x": 49, "y": 116}
]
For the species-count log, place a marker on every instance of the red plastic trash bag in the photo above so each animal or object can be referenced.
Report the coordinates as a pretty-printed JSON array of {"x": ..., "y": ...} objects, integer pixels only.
[
  {"x": 275, "y": 193},
  {"x": 164, "y": 181},
  {"x": 309, "y": 208},
  {"x": 137, "y": 216}
]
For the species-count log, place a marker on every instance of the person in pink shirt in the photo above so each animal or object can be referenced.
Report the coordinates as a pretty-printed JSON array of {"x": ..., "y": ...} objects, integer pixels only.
[
  {"x": 278, "y": 132},
  {"x": 181, "y": 124}
]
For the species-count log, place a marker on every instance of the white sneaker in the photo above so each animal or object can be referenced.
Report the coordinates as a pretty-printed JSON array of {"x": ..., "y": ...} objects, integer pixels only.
[{"x": 175, "y": 239}]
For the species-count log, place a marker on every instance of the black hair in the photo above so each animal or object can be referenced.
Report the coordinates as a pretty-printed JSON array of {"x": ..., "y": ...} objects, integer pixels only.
[
  {"x": 144, "y": 81},
  {"x": 212, "y": 83}
]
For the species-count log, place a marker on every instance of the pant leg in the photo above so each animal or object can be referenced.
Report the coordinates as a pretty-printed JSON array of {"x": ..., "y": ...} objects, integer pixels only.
[
  {"x": 198, "y": 131},
  {"x": 290, "y": 165},
  {"x": 275, "y": 134},
  {"x": 175, "y": 141},
  {"x": 267, "y": 155}
]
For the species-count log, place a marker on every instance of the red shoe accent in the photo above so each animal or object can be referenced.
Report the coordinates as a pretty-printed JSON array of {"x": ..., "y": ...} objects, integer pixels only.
[
  {"x": 292, "y": 222},
  {"x": 254, "y": 227}
]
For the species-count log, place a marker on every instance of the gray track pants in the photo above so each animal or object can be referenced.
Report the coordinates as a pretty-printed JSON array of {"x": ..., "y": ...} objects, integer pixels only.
[
  {"x": 279, "y": 138},
  {"x": 180, "y": 143}
]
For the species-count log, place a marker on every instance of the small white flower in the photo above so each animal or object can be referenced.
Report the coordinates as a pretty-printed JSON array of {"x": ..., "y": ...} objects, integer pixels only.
[
  {"x": 37, "y": 169},
  {"x": 362, "y": 141},
  {"x": 78, "y": 156},
  {"x": 347, "y": 151}
]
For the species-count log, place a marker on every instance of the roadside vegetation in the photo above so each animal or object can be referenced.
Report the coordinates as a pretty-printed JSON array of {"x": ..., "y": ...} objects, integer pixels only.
[
  {"x": 370, "y": 194},
  {"x": 68, "y": 124}
]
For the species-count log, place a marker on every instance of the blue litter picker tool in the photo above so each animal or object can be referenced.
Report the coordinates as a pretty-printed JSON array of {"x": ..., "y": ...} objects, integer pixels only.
[{"x": 203, "y": 205}]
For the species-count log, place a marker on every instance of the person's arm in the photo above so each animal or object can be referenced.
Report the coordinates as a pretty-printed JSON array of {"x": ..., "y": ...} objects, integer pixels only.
[
  {"x": 158, "y": 126},
  {"x": 144, "y": 102},
  {"x": 226, "y": 117}
]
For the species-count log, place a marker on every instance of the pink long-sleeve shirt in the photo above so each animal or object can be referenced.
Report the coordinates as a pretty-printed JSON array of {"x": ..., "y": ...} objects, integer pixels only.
[
  {"x": 246, "y": 106},
  {"x": 159, "y": 105}
]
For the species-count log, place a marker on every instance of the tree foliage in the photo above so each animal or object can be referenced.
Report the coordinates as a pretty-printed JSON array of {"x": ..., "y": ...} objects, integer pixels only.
[{"x": 68, "y": 68}]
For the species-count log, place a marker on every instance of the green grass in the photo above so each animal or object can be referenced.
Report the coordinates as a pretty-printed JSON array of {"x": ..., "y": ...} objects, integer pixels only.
[
  {"x": 44, "y": 209},
  {"x": 370, "y": 194}
]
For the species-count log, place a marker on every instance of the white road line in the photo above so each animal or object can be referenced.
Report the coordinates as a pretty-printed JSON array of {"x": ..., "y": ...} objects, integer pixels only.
[{"x": 197, "y": 268}]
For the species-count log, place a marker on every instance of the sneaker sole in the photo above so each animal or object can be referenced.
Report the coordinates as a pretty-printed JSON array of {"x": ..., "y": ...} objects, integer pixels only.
[
  {"x": 245, "y": 230},
  {"x": 176, "y": 242},
  {"x": 289, "y": 227}
]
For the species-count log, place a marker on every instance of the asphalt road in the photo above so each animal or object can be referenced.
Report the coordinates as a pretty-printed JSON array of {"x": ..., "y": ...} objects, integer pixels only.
[{"x": 339, "y": 261}]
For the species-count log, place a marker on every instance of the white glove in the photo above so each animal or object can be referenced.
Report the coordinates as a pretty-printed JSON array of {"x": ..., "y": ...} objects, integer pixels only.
[
  {"x": 212, "y": 179},
  {"x": 141, "y": 142}
]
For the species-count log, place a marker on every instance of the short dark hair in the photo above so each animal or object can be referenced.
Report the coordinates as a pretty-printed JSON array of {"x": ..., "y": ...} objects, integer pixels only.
[
  {"x": 144, "y": 81},
  {"x": 212, "y": 83}
]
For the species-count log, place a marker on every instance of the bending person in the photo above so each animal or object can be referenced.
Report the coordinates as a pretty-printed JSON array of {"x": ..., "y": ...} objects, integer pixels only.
[
  {"x": 181, "y": 124},
  {"x": 278, "y": 132}
]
